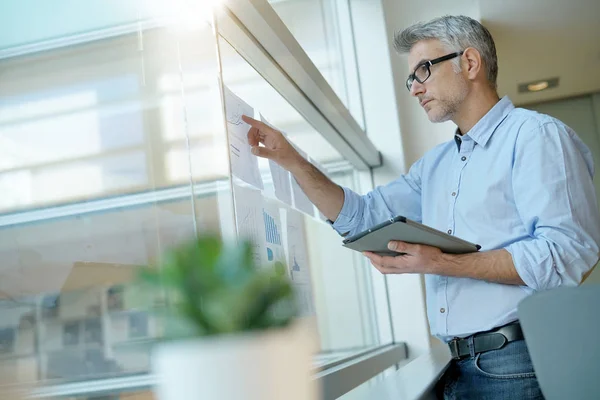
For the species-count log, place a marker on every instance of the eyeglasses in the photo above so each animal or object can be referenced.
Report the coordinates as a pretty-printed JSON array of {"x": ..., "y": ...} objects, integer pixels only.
[{"x": 422, "y": 71}]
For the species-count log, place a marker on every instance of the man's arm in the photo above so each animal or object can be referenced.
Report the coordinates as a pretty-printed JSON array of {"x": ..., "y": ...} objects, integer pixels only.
[
  {"x": 351, "y": 212},
  {"x": 321, "y": 191},
  {"x": 492, "y": 266},
  {"x": 555, "y": 196}
]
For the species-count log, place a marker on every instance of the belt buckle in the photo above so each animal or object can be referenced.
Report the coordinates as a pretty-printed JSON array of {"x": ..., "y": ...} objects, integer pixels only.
[{"x": 454, "y": 349}]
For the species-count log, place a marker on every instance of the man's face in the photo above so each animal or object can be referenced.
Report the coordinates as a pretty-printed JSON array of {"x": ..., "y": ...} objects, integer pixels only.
[{"x": 444, "y": 91}]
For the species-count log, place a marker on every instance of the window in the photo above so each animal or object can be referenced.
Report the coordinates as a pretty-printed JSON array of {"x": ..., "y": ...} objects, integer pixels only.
[
  {"x": 115, "y": 148},
  {"x": 323, "y": 29},
  {"x": 98, "y": 167}
]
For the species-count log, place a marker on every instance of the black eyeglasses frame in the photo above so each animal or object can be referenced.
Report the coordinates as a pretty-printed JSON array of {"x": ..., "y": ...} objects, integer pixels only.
[{"x": 428, "y": 64}]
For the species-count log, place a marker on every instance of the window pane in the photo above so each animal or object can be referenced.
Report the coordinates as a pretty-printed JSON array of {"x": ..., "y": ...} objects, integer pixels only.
[
  {"x": 339, "y": 277},
  {"x": 247, "y": 84},
  {"x": 113, "y": 148},
  {"x": 323, "y": 29},
  {"x": 99, "y": 143}
]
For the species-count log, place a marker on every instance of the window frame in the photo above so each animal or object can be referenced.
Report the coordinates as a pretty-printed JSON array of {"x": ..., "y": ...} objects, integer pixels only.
[{"x": 254, "y": 30}]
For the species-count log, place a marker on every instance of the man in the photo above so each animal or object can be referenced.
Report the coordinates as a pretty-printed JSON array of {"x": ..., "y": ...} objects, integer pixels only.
[{"x": 514, "y": 181}]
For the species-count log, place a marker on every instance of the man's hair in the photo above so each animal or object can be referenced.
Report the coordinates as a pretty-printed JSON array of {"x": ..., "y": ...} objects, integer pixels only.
[{"x": 456, "y": 33}]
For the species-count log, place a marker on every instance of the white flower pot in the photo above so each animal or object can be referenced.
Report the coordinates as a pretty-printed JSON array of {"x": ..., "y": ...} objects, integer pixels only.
[{"x": 269, "y": 365}]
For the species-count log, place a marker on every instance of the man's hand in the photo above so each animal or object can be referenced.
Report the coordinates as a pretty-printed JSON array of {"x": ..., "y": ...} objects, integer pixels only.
[
  {"x": 413, "y": 259},
  {"x": 322, "y": 192},
  {"x": 276, "y": 147},
  {"x": 491, "y": 266}
]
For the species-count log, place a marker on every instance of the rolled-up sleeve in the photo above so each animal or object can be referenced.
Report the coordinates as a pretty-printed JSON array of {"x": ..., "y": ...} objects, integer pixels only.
[
  {"x": 556, "y": 200},
  {"x": 400, "y": 197}
]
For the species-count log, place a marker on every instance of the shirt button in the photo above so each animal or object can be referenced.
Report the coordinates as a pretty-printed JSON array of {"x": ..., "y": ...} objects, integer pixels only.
[
  {"x": 453, "y": 194},
  {"x": 450, "y": 231},
  {"x": 463, "y": 158},
  {"x": 442, "y": 310}
]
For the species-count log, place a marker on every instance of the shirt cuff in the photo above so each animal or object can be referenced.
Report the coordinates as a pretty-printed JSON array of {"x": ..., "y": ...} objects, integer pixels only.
[
  {"x": 521, "y": 264},
  {"x": 346, "y": 221},
  {"x": 534, "y": 266}
]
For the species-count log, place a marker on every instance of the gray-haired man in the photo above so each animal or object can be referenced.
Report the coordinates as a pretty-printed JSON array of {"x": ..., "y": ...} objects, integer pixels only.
[{"x": 517, "y": 182}]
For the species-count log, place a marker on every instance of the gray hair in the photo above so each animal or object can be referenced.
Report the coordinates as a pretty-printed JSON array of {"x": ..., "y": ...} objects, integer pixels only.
[{"x": 456, "y": 33}]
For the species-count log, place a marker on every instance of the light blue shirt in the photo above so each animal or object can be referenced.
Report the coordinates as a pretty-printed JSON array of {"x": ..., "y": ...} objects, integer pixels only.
[{"x": 519, "y": 181}]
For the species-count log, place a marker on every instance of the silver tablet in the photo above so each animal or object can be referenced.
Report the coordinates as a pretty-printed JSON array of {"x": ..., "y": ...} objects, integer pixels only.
[{"x": 376, "y": 239}]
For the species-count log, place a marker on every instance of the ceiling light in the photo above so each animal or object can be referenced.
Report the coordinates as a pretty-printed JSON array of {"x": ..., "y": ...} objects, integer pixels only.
[
  {"x": 539, "y": 85},
  {"x": 536, "y": 87}
]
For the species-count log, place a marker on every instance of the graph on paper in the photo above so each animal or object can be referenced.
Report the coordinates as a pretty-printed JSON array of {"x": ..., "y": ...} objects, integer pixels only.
[
  {"x": 298, "y": 262},
  {"x": 248, "y": 209},
  {"x": 273, "y": 235},
  {"x": 297, "y": 254}
]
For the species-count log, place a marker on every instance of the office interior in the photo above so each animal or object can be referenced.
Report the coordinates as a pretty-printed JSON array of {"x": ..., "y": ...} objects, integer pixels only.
[{"x": 114, "y": 148}]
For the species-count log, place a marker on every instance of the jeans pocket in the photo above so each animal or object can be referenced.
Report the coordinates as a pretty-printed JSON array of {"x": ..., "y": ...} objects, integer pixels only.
[{"x": 492, "y": 366}]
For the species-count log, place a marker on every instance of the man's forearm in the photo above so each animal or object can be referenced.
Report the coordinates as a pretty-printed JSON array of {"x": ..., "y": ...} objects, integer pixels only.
[
  {"x": 322, "y": 192},
  {"x": 492, "y": 266}
]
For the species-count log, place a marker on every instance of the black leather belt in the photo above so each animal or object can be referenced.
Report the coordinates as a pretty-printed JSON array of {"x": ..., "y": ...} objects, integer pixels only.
[{"x": 485, "y": 341}]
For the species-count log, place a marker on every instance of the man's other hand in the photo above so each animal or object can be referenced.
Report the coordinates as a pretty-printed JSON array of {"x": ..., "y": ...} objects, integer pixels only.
[{"x": 414, "y": 259}]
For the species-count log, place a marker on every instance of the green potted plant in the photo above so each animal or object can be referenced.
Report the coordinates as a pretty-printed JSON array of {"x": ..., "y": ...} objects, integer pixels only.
[{"x": 231, "y": 327}]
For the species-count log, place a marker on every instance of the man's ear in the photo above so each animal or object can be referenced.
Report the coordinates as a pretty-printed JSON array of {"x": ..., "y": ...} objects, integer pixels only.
[{"x": 472, "y": 62}]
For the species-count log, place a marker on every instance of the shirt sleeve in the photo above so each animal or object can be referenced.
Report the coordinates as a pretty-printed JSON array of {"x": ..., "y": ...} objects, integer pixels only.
[
  {"x": 556, "y": 200},
  {"x": 400, "y": 197}
]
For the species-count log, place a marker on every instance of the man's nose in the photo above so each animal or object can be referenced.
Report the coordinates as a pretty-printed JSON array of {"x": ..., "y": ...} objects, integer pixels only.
[{"x": 417, "y": 88}]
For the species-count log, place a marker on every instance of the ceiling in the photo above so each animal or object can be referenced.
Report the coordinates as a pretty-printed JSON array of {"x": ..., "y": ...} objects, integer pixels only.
[{"x": 537, "y": 39}]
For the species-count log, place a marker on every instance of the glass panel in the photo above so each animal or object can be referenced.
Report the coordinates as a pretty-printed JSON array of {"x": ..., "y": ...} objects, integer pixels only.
[
  {"x": 323, "y": 29},
  {"x": 247, "y": 84},
  {"x": 100, "y": 144},
  {"x": 113, "y": 149},
  {"x": 344, "y": 310}
]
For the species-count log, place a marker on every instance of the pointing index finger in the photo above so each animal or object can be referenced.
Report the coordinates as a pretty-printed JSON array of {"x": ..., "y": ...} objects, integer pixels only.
[{"x": 257, "y": 124}]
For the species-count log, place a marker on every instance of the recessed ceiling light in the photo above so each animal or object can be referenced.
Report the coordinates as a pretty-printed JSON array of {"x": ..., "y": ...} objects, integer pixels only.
[{"x": 537, "y": 86}]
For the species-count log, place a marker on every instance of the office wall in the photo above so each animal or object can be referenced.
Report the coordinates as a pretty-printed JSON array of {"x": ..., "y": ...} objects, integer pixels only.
[{"x": 583, "y": 115}]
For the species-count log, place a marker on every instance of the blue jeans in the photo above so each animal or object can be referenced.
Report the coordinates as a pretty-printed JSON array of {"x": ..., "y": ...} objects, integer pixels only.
[{"x": 506, "y": 373}]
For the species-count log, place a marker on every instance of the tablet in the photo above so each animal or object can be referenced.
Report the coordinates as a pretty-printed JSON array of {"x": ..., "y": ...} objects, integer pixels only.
[{"x": 376, "y": 239}]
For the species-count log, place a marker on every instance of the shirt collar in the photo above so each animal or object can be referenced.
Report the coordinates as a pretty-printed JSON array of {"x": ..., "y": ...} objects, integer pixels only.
[{"x": 486, "y": 126}]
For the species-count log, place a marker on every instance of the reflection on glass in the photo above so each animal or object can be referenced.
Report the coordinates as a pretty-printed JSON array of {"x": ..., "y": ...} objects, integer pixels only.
[
  {"x": 247, "y": 84},
  {"x": 86, "y": 134},
  {"x": 339, "y": 279},
  {"x": 324, "y": 30},
  {"x": 102, "y": 146},
  {"x": 112, "y": 150}
]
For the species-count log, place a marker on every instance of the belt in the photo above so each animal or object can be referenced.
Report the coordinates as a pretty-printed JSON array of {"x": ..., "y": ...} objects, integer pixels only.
[{"x": 485, "y": 341}]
